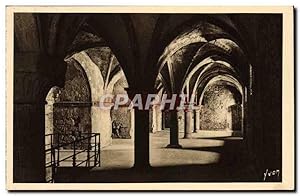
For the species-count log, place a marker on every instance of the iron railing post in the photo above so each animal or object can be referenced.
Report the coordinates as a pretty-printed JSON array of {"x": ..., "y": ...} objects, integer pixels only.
[
  {"x": 53, "y": 164},
  {"x": 74, "y": 155},
  {"x": 95, "y": 151},
  {"x": 99, "y": 150},
  {"x": 51, "y": 158},
  {"x": 58, "y": 137},
  {"x": 55, "y": 143},
  {"x": 88, "y": 151}
]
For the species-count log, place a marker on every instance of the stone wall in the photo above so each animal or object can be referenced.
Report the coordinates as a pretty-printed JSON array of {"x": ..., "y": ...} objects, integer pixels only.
[
  {"x": 76, "y": 87},
  {"x": 70, "y": 120},
  {"x": 235, "y": 117},
  {"x": 122, "y": 115},
  {"x": 71, "y": 108},
  {"x": 215, "y": 111}
]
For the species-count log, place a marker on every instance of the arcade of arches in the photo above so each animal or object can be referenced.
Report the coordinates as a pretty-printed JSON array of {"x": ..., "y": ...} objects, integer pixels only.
[{"x": 225, "y": 64}]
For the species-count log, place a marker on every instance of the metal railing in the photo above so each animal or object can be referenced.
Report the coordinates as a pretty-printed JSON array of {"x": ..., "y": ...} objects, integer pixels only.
[{"x": 81, "y": 149}]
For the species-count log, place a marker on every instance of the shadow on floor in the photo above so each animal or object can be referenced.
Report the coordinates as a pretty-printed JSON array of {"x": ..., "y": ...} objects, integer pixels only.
[
  {"x": 233, "y": 166},
  {"x": 232, "y": 153},
  {"x": 182, "y": 173}
]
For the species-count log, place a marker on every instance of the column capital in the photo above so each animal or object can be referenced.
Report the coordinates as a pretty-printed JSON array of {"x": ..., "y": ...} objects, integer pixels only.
[
  {"x": 197, "y": 108},
  {"x": 108, "y": 105},
  {"x": 34, "y": 75},
  {"x": 189, "y": 107}
]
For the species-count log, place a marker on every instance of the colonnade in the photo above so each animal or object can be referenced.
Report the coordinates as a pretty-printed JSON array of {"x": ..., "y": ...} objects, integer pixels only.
[{"x": 186, "y": 119}]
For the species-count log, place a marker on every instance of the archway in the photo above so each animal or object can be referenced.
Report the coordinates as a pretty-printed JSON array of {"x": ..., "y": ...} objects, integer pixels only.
[
  {"x": 102, "y": 75},
  {"x": 221, "y": 107},
  {"x": 188, "y": 51},
  {"x": 203, "y": 56},
  {"x": 67, "y": 116}
]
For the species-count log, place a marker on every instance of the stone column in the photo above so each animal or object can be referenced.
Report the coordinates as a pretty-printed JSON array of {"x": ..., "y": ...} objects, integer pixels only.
[
  {"x": 197, "y": 119},
  {"x": 48, "y": 130},
  {"x": 156, "y": 118},
  {"x": 180, "y": 120},
  {"x": 141, "y": 135},
  {"x": 33, "y": 78},
  {"x": 243, "y": 113},
  {"x": 132, "y": 120},
  {"x": 152, "y": 120},
  {"x": 48, "y": 122},
  {"x": 28, "y": 128},
  {"x": 29, "y": 142},
  {"x": 189, "y": 126},
  {"x": 101, "y": 123},
  {"x": 163, "y": 120},
  {"x": 174, "y": 140}
]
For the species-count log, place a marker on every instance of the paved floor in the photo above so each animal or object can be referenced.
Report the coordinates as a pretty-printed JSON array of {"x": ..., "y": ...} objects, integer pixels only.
[
  {"x": 209, "y": 156},
  {"x": 190, "y": 154},
  {"x": 118, "y": 156},
  {"x": 203, "y": 149}
]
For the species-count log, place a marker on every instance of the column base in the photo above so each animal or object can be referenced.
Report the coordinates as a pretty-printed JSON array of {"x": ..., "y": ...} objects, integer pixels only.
[
  {"x": 187, "y": 136},
  {"x": 142, "y": 167},
  {"x": 173, "y": 146},
  {"x": 197, "y": 131},
  {"x": 156, "y": 131}
]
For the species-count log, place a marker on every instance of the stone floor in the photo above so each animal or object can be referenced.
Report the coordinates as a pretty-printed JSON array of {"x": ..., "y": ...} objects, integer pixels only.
[
  {"x": 204, "y": 148},
  {"x": 208, "y": 156},
  {"x": 119, "y": 155},
  {"x": 193, "y": 151}
]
